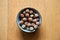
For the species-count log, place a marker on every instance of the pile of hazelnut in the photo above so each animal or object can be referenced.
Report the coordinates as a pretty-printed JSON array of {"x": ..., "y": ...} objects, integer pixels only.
[{"x": 29, "y": 19}]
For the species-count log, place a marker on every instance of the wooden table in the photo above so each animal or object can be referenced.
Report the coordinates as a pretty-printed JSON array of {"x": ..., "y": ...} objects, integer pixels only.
[{"x": 50, "y": 12}]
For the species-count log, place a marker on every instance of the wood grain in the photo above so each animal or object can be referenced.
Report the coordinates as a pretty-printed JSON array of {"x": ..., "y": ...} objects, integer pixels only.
[
  {"x": 50, "y": 28},
  {"x": 3, "y": 19}
]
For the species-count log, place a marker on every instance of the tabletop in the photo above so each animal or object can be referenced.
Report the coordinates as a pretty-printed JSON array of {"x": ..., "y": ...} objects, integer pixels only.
[{"x": 49, "y": 29}]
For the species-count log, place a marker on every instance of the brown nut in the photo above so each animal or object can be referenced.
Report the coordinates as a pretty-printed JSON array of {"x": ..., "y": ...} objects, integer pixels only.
[
  {"x": 24, "y": 12},
  {"x": 31, "y": 11},
  {"x": 34, "y": 20},
  {"x": 24, "y": 19},
  {"x": 30, "y": 19},
  {"x": 27, "y": 14},
  {"x": 32, "y": 15},
  {"x": 27, "y": 10},
  {"x": 37, "y": 23},
  {"x": 21, "y": 22},
  {"x": 22, "y": 15},
  {"x": 26, "y": 23},
  {"x": 32, "y": 24}
]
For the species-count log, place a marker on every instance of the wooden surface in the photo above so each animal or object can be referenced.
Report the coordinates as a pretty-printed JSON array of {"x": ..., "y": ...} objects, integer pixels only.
[
  {"x": 3, "y": 19},
  {"x": 50, "y": 12}
]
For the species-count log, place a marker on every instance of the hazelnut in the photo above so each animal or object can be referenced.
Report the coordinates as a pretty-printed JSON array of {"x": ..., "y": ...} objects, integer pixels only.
[
  {"x": 24, "y": 19},
  {"x": 32, "y": 24},
  {"x": 27, "y": 10},
  {"x": 24, "y": 12},
  {"x": 30, "y": 19},
  {"x": 35, "y": 26},
  {"x": 31, "y": 11},
  {"x": 22, "y": 15},
  {"x": 34, "y": 20},
  {"x": 36, "y": 15},
  {"x": 31, "y": 15},
  {"x": 27, "y": 15},
  {"x": 31, "y": 28},
  {"x": 26, "y": 23},
  {"x": 21, "y": 22},
  {"x": 23, "y": 26},
  {"x": 29, "y": 24},
  {"x": 27, "y": 28},
  {"x": 37, "y": 23}
]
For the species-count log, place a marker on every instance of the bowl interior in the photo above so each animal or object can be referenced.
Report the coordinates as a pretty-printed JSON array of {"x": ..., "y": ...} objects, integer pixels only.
[{"x": 18, "y": 19}]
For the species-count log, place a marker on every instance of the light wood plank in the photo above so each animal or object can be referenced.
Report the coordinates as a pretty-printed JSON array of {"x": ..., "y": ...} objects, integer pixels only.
[{"x": 3, "y": 19}]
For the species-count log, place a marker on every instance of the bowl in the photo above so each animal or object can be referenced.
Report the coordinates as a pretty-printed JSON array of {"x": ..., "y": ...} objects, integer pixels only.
[{"x": 18, "y": 19}]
